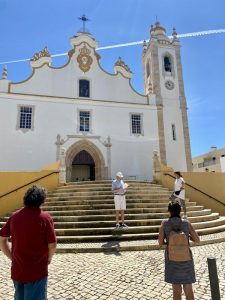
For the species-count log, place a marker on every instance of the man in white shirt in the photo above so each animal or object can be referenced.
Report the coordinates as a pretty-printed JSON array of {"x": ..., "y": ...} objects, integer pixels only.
[{"x": 119, "y": 190}]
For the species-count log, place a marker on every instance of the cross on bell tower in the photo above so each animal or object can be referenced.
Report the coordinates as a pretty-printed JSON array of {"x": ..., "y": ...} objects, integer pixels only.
[{"x": 84, "y": 19}]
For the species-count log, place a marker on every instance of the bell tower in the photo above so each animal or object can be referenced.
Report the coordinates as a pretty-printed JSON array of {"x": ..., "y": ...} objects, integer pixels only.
[{"x": 163, "y": 81}]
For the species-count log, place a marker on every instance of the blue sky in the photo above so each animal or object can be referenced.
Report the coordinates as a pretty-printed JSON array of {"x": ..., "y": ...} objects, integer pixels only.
[{"x": 28, "y": 26}]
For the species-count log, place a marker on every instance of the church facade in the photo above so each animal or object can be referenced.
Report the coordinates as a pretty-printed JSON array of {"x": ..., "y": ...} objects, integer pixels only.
[{"x": 96, "y": 118}]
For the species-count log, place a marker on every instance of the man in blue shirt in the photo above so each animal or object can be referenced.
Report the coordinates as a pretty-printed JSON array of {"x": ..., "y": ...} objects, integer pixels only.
[{"x": 119, "y": 189}]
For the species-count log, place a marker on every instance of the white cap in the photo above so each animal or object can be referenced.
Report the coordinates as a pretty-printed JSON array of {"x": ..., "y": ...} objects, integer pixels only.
[{"x": 119, "y": 174}]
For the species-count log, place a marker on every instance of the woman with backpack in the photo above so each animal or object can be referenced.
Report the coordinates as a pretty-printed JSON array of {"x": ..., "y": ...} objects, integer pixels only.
[{"x": 179, "y": 265}]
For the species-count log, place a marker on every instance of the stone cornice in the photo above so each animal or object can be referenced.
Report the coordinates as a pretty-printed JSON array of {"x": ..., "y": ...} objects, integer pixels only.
[{"x": 67, "y": 100}]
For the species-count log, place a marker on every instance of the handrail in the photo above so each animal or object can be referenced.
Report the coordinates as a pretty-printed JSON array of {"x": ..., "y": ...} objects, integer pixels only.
[
  {"x": 22, "y": 186},
  {"x": 220, "y": 202}
]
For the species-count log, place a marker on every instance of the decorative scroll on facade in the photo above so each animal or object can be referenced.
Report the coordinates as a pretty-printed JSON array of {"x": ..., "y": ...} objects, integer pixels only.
[
  {"x": 84, "y": 59},
  {"x": 121, "y": 63},
  {"x": 43, "y": 53}
]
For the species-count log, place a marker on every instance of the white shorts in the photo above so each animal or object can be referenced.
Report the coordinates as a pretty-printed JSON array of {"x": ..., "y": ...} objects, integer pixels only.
[{"x": 120, "y": 202}]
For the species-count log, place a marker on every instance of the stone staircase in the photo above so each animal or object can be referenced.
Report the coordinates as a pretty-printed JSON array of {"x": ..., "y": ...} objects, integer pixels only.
[{"x": 84, "y": 217}]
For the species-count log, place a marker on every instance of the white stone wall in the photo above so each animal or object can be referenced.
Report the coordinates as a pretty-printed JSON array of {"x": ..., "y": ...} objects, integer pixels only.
[
  {"x": 63, "y": 82},
  {"x": 34, "y": 149}
]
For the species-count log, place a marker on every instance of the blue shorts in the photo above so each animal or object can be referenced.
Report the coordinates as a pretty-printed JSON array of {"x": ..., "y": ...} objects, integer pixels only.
[{"x": 32, "y": 290}]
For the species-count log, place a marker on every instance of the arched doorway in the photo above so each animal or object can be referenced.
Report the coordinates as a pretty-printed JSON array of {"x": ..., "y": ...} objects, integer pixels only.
[
  {"x": 100, "y": 169},
  {"x": 83, "y": 167}
]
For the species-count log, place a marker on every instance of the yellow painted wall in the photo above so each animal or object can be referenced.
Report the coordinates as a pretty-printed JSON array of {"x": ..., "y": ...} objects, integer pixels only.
[
  {"x": 212, "y": 184},
  {"x": 12, "y": 180}
]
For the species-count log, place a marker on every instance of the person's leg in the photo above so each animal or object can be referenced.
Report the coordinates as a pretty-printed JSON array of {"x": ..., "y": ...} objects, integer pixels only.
[
  {"x": 183, "y": 204},
  {"x": 36, "y": 290},
  {"x": 122, "y": 216},
  {"x": 117, "y": 208},
  {"x": 117, "y": 216},
  {"x": 188, "y": 291},
  {"x": 123, "y": 208},
  {"x": 19, "y": 290},
  {"x": 177, "y": 291}
]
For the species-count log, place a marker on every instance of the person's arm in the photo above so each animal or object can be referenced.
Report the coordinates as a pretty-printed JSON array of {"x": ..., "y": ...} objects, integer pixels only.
[
  {"x": 51, "y": 251},
  {"x": 4, "y": 246},
  {"x": 116, "y": 191},
  {"x": 193, "y": 234},
  {"x": 161, "y": 239},
  {"x": 51, "y": 239},
  {"x": 182, "y": 184}
]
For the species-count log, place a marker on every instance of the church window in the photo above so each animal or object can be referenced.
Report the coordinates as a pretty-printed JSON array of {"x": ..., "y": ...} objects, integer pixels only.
[
  {"x": 25, "y": 117},
  {"x": 174, "y": 132},
  {"x": 84, "y": 88},
  {"x": 136, "y": 124},
  {"x": 85, "y": 121},
  {"x": 167, "y": 64}
]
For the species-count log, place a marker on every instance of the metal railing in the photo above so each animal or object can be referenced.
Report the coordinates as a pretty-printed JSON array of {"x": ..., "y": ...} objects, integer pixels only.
[
  {"x": 33, "y": 181},
  {"x": 200, "y": 191}
]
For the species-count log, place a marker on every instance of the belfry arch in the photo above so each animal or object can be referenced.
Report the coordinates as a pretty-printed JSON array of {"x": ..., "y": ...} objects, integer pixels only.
[{"x": 101, "y": 170}]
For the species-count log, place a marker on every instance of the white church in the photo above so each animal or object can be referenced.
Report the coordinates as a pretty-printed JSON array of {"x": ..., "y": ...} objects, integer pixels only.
[{"x": 102, "y": 124}]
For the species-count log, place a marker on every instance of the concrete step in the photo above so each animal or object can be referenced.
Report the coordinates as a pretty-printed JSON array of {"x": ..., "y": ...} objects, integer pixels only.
[
  {"x": 104, "y": 197},
  {"x": 103, "y": 201},
  {"x": 136, "y": 245},
  {"x": 123, "y": 235},
  {"x": 109, "y": 192},
  {"x": 82, "y": 218},
  {"x": 110, "y": 206},
  {"x": 112, "y": 211},
  {"x": 103, "y": 182},
  {"x": 129, "y": 222},
  {"x": 209, "y": 224},
  {"x": 109, "y": 188},
  {"x": 129, "y": 230},
  {"x": 84, "y": 213}
]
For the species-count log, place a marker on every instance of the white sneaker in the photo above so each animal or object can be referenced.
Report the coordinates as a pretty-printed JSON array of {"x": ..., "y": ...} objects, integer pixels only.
[
  {"x": 117, "y": 225},
  {"x": 185, "y": 217}
]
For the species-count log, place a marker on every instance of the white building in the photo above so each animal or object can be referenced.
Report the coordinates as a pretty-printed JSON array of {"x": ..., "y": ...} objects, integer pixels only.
[
  {"x": 212, "y": 161},
  {"x": 101, "y": 122}
]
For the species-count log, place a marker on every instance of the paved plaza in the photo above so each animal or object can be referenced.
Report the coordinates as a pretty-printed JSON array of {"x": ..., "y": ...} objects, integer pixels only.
[{"x": 122, "y": 276}]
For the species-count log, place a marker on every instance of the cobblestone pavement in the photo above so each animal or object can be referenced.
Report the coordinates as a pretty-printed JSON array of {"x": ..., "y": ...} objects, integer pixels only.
[{"x": 122, "y": 276}]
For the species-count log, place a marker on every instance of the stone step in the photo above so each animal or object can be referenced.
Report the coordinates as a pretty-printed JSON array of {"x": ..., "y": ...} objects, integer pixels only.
[
  {"x": 103, "y": 182},
  {"x": 105, "y": 201},
  {"x": 82, "y": 218},
  {"x": 112, "y": 211},
  {"x": 84, "y": 213},
  {"x": 105, "y": 193},
  {"x": 104, "y": 197},
  {"x": 109, "y": 188},
  {"x": 123, "y": 235},
  {"x": 110, "y": 206},
  {"x": 129, "y": 222},
  {"x": 129, "y": 230},
  {"x": 136, "y": 245}
]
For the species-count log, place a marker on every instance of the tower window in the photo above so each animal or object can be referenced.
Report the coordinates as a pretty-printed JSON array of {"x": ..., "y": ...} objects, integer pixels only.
[
  {"x": 174, "y": 132},
  {"x": 84, "y": 88},
  {"x": 85, "y": 121},
  {"x": 167, "y": 64}
]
